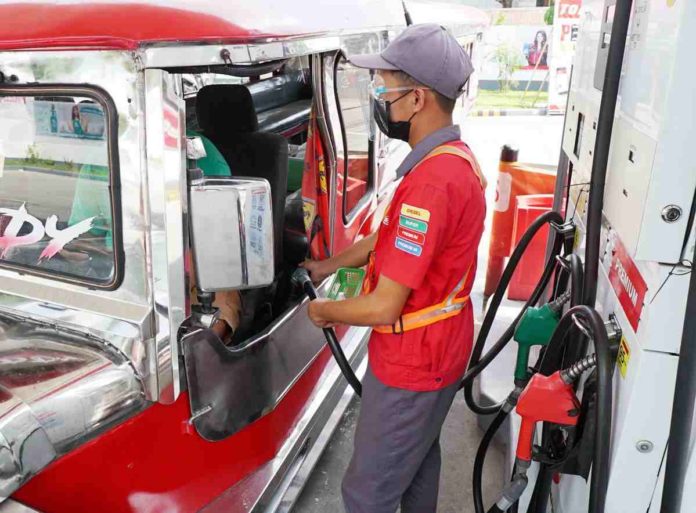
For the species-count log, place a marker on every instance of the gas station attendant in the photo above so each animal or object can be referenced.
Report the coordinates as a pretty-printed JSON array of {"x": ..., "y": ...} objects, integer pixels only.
[{"x": 421, "y": 267}]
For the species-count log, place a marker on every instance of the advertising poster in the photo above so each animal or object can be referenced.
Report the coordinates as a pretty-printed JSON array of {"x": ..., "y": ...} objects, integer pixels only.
[
  {"x": 536, "y": 51},
  {"x": 69, "y": 120},
  {"x": 566, "y": 25}
]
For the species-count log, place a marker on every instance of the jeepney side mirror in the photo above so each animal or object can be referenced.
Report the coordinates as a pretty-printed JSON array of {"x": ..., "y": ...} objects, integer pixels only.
[{"x": 231, "y": 233}]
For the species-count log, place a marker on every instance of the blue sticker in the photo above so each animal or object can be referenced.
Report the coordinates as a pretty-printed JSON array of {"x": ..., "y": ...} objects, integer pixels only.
[{"x": 408, "y": 247}]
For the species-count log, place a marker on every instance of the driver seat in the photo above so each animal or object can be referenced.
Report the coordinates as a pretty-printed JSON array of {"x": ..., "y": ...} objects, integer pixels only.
[{"x": 227, "y": 117}]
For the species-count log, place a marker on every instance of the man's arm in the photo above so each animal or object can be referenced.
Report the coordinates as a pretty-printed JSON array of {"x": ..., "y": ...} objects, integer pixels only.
[
  {"x": 353, "y": 256},
  {"x": 381, "y": 306}
]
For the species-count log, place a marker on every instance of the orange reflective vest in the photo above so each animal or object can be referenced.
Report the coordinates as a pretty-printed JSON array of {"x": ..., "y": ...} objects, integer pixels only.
[{"x": 451, "y": 305}]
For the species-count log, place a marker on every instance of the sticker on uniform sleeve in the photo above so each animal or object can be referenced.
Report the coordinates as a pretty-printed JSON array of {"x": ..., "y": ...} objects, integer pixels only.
[
  {"x": 413, "y": 224},
  {"x": 415, "y": 212},
  {"x": 411, "y": 236},
  {"x": 408, "y": 247},
  {"x": 623, "y": 357}
]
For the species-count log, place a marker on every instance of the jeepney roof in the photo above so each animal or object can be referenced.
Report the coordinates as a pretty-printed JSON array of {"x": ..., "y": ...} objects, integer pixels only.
[{"x": 131, "y": 24}]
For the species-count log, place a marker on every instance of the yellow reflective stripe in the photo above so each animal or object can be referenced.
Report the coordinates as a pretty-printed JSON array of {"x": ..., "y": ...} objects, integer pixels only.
[
  {"x": 425, "y": 317},
  {"x": 453, "y": 150},
  {"x": 459, "y": 287}
]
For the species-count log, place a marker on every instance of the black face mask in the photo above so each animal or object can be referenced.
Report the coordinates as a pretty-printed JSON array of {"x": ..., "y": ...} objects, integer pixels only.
[{"x": 392, "y": 129}]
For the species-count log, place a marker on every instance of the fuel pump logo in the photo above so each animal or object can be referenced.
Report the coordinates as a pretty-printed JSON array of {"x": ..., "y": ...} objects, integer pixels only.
[{"x": 629, "y": 285}]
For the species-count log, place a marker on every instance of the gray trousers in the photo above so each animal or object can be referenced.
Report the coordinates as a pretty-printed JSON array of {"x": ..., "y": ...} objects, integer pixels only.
[{"x": 396, "y": 455}]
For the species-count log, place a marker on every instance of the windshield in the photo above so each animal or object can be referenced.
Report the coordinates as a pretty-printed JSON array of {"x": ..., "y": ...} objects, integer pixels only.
[{"x": 56, "y": 212}]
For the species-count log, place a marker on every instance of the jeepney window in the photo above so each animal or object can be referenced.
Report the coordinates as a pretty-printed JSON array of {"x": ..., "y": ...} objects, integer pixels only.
[
  {"x": 56, "y": 208},
  {"x": 354, "y": 155}
]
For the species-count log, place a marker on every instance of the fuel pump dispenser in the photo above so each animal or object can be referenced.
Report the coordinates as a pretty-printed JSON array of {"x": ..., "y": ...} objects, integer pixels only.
[{"x": 607, "y": 376}]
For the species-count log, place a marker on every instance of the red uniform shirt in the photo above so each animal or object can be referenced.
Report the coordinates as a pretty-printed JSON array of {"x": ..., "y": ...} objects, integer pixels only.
[{"x": 427, "y": 241}]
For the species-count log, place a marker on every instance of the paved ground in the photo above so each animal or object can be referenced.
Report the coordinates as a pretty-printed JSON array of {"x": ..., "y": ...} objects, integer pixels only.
[{"x": 538, "y": 138}]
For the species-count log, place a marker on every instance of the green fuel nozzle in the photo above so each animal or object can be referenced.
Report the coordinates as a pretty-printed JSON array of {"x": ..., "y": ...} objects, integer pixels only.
[{"x": 535, "y": 329}]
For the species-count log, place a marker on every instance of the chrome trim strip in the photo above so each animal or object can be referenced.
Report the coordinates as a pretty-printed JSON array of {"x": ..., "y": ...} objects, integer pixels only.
[
  {"x": 212, "y": 55},
  {"x": 10, "y": 506},
  {"x": 326, "y": 137},
  {"x": 164, "y": 108},
  {"x": 24, "y": 445},
  {"x": 279, "y": 323},
  {"x": 242, "y": 242}
]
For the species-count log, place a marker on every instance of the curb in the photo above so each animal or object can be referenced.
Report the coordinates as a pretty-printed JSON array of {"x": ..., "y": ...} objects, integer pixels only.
[{"x": 509, "y": 112}]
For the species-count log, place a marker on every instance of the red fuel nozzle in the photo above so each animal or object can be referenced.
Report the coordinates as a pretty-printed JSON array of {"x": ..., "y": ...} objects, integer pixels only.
[{"x": 544, "y": 399}]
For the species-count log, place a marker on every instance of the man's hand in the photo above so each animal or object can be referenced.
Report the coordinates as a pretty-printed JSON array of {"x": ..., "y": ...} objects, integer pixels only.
[
  {"x": 381, "y": 306},
  {"x": 315, "y": 313},
  {"x": 318, "y": 269}
]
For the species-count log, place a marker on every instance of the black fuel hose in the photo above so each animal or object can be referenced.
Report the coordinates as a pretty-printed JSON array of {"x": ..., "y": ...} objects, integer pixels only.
[
  {"x": 576, "y": 279},
  {"x": 593, "y": 323},
  {"x": 477, "y": 477},
  {"x": 575, "y": 351},
  {"x": 477, "y": 363},
  {"x": 605, "y": 125},
  {"x": 678, "y": 448},
  {"x": 496, "y": 423},
  {"x": 301, "y": 277}
]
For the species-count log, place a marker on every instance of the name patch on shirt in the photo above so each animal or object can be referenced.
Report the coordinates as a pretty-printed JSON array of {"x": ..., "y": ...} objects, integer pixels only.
[
  {"x": 408, "y": 247},
  {"x": 415, "y": 212}
]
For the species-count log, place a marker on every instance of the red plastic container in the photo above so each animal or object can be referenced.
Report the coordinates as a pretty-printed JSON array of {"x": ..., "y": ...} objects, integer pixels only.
[
  {"x": 527, "y": 209},
  {"x": 515, "y": 179}
]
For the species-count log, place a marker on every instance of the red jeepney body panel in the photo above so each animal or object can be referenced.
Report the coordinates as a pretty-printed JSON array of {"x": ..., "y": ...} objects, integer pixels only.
[
  {"x": 157, "y": 463},
  {"x": 131, "y": 24}
]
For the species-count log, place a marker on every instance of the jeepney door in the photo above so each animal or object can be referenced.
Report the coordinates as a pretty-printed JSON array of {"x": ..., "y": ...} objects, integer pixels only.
[{"x": 353, "y": 182}]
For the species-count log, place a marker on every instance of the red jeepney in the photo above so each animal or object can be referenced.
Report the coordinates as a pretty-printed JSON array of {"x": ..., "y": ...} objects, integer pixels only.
[{"x": 115, "y": 393}]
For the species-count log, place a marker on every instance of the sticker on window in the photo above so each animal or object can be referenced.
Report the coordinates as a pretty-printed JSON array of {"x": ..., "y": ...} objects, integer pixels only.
[{"x": 34, "y": 231}]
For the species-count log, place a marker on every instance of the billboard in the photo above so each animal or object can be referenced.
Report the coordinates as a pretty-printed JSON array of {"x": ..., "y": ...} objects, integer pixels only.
[{"x": 566, "y": 25}]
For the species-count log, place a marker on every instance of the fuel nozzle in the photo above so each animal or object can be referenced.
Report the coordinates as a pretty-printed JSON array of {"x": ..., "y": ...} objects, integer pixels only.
[
  {"x": 558, "y": 304},
  {"x": 513, "y": 491},
  {"x": 544, "y": 399},
  {"x": 535, "y": 329},
  {"x": 573, "y": 373},
  {"x": 549, "y": 399},
  {"x": 300, "y": 278}
]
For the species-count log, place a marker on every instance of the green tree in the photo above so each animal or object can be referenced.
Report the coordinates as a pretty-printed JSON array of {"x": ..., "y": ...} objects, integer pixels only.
[
  {"x": 508, "y": 60},
  {"x": 548, "y": 15}
]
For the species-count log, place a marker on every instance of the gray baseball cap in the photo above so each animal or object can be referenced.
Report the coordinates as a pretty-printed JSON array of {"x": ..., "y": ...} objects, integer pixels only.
[{"x": 429, "y": 54}]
